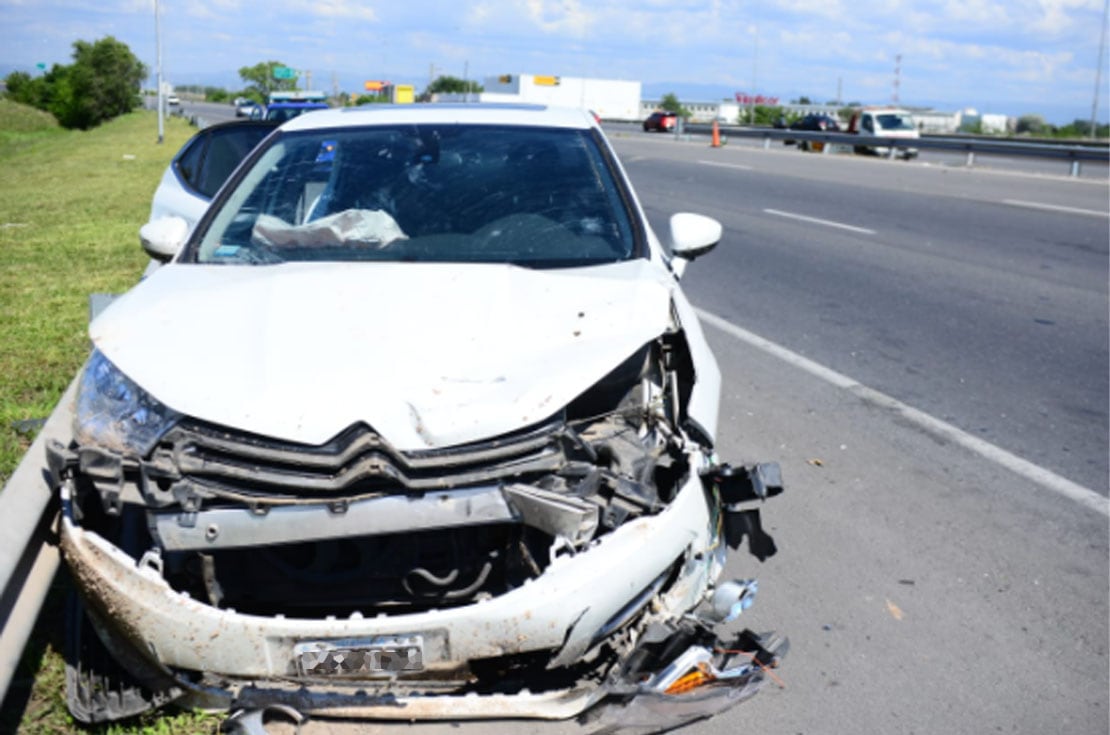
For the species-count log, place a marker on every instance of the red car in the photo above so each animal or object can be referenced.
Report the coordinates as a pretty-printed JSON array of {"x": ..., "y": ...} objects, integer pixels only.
[{"x": 661, "y": 120}]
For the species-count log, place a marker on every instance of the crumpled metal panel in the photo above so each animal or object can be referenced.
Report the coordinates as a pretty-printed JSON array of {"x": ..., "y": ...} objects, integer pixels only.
[{"x": 184, "y": 633}]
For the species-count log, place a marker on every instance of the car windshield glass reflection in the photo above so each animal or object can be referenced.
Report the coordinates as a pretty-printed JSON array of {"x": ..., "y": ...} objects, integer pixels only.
[
  {"x": 457, "y": 193},
  {"x": 896, "y": 122}
]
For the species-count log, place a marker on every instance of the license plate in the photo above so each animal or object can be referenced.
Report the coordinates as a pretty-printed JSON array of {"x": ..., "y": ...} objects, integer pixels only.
[{"x": 385, "y": 656}]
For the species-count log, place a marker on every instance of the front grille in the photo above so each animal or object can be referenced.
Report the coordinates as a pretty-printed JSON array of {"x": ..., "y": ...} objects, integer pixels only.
[{"x": 357, "y": 461}]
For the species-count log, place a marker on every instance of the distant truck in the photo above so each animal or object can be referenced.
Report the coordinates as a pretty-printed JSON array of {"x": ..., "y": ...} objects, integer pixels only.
[
  {"x": 287, "y": 105},
  {"x": 884, "y": 122}
]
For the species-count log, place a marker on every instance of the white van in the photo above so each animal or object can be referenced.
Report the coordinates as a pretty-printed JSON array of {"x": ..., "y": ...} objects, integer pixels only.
[{"x": 887, "y": 122}]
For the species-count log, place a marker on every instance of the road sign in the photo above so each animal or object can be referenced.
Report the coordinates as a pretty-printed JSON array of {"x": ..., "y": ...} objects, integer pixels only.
[{"x": 284, "y": 72}]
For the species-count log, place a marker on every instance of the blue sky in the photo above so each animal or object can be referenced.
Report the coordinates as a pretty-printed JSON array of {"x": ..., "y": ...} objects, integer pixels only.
[{"x": 1002, "y": 56}]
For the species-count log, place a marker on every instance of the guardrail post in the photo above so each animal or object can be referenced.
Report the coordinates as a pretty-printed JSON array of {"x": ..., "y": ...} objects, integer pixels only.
[
  {"x": 970, "y": 158},
  {"x": 893, "y": 151},
  {"x": 766, "y": 142},
  {"x": 1074, "y": 167}
]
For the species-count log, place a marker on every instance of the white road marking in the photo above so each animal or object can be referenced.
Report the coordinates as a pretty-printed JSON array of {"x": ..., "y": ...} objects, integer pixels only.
[
  {"x": 1056, "y": 208},
  {"x": 1045, "y": 478},
  {"x": 739, "y": 167},
  {"x": 814, "y": 220}
]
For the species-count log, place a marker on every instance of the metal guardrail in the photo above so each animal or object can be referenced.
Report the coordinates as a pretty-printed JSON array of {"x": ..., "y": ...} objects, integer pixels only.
[
  {"x": 1075, "y": 154},
  {"x": 28, "y": 556}
]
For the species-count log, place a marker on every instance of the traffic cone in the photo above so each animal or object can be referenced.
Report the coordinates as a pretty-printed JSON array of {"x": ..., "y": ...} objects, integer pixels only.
[{"x": 716, "y": 136}]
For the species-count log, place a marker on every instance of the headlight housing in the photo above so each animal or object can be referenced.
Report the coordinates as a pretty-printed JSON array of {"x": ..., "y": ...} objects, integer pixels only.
[{"x": 114, "y": 413}]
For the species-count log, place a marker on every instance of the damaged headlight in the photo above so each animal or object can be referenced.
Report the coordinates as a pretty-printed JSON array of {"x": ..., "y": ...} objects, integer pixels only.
[{"x": 114, "y": 413}]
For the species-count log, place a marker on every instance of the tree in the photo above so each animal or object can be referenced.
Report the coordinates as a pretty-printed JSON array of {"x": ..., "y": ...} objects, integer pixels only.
[
  {"x": 260, "y": 80},
  {"x": 452, "y": 85},
  {"x": 764, "y": 115},
  {"x": 670, "y": 103},
  {"x": 1031, "y": 124},
  {"x": 1076, "y": 129},
  {"x": 103, "y": 82},
  {"x": 371, "y": 99},
  {"x": 216, "y": 94},
  {"x": 27, "y": 90}
]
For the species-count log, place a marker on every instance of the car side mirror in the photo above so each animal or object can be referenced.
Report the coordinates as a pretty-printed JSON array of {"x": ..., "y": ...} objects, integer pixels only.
[
  {"x": 163, "y": 237},
  {"x": 692, "y": 235}
]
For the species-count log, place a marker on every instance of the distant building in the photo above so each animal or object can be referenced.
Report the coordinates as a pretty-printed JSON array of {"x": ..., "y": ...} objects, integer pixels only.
[
  {"x": 971, "y": 120},
  {"x": 611, "y": 99},
  {"x": 934, "y": 121}
]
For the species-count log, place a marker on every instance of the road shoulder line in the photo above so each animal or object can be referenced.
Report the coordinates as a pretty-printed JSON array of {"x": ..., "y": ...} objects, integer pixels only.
[
  {"x": 1055, "y": 208},
  {"x": 818, "y": 221},
  {"x": 1045, "y": 478}
]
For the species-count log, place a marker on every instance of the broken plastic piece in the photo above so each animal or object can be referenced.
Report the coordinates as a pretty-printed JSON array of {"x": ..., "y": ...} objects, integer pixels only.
[
  {"x": 741, "y": 484},
  {"x": 734, "y": 597}
]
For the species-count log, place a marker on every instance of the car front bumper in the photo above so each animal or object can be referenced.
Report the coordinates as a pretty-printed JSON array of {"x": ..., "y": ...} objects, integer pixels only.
[{"x": 229, "y": 659}]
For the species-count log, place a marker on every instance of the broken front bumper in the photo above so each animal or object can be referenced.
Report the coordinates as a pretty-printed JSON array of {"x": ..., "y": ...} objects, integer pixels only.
[{"x": 229, "y": 659}]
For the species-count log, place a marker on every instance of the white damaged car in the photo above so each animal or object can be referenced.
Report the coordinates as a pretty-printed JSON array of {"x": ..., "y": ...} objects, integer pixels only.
[{"x": 416, "y": 425}]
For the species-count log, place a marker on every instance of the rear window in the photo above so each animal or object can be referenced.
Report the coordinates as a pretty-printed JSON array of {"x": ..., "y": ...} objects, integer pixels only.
[{"x": 460, "y": 193}]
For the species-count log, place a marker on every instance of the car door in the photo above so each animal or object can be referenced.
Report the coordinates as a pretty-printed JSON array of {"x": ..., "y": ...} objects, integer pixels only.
[{"x": 202, "y": 166}]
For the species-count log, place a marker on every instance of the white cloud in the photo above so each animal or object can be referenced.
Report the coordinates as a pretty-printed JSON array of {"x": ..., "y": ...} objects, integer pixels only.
[
  {"x": 814, "y": 8},
  {"x": 332, "y": 9},
  {"x": 1058, "y": 16},
  {"x": 557, "y": 16},
  {"x": 982, "y": 13}
]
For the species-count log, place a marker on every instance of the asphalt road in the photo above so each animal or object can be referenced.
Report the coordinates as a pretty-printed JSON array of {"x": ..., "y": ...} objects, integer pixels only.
[
  {"x": 926, "y": 158},
  {"x": 960, "y": 293},
  {"x": 926, "y": 587}
]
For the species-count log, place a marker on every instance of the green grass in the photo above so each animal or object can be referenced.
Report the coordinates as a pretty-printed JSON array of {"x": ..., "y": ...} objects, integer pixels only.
[{"x": 71, "y": 204}]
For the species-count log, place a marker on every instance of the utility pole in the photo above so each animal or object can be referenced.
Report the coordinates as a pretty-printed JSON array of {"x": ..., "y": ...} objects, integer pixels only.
[
  {"x": 158, "y": 47},
  {"x": 1098, "y": 69},
  {"x": 897, "y": 78},
  {"x": 755, "y": 74}
]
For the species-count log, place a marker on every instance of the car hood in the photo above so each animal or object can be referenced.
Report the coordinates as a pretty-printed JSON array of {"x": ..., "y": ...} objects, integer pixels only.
[{"x": 428, "y": 355}]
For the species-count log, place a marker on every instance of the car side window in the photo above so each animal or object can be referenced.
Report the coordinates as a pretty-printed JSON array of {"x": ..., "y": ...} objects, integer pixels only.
[
  {"x": 188, "y": 163},
  {"x": 226, "y": 148}
]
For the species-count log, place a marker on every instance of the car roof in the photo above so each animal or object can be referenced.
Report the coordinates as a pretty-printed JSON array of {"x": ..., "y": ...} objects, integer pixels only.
[
  {"x": 446, "y": 113},
  {"x": 298, "y": 105}
]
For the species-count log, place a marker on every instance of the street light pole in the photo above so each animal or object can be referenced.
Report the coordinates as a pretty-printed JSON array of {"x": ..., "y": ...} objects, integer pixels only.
[
  {"x": 755, "y": 74},
  {"x": 1098, "y": 69},
  {"x": 158, "y": 47}
]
